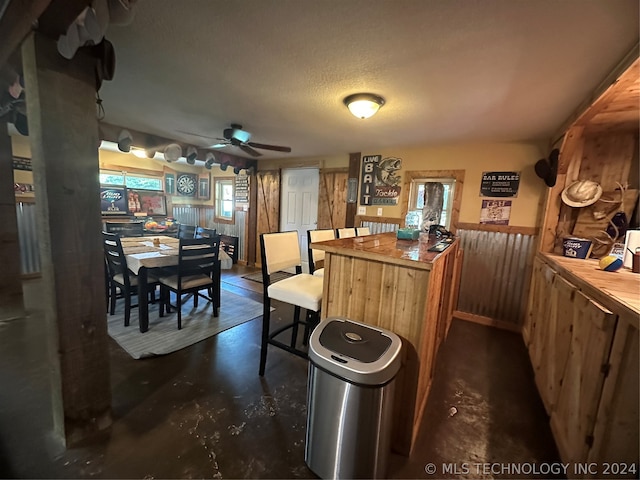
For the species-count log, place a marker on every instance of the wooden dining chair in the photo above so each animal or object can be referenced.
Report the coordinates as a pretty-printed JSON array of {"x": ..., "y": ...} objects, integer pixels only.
[
  {"x": 198, "y": 269},
  {"x": 346, "y": 232},
  {"x": 202, "y": 232},
  {"x": 186, "y": 231},
  {"x": 281, "y": 251},
  {"x": 316, "y": 257},
  {"x": 120, "y": 277}
]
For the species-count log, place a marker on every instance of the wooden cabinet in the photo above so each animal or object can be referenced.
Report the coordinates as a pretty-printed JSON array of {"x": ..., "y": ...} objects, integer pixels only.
[
  {"x": 586, "y": 358},
  {"x": 586, "y": 365}
]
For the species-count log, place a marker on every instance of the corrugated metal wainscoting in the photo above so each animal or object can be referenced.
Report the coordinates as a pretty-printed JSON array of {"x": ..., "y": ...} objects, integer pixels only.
[
  {"x": 496, "y": 272},
  {"x": 28, "y": 237},
  {"x": 192, "y": 215}
]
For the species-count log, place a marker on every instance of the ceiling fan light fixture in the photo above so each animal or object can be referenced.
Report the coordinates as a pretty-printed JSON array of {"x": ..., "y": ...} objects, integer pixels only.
[
  {"x": 364, "y": 105},
  {"x": 192, "y": 153}
]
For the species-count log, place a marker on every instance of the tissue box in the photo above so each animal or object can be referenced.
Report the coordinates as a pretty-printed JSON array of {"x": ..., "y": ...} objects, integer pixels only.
[
  {"x": 576, "y": 247},
  {"x": 408, "y": 234}
]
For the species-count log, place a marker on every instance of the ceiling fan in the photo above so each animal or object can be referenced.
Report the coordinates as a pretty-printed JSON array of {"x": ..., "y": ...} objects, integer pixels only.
[{"x": 238, "y": 137}]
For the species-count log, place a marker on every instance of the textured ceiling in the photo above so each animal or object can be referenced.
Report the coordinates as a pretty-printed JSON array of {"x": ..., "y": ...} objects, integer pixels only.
[{"x": 451, "y": 71}]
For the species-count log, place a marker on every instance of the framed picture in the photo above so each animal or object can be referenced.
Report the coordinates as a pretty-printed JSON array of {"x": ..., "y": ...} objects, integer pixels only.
[
  {"x": 113, "y": 200},
  {"x": 149, "y": 202},
  {"x": 203, "y": 188},
  {"x": 169, "y": 183}
]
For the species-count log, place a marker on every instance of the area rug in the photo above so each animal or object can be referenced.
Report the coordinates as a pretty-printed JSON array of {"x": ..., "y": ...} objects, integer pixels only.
[
  {"x": 163, "y": 336},
  {"x": 275, "y": 277}
]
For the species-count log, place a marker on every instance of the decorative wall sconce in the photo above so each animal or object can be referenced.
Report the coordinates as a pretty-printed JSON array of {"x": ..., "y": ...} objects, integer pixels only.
[{"x": 364, "y": 105}]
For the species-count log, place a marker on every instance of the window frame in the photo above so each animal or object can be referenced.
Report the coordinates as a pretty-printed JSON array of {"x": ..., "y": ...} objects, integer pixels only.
[
  {"x": 160, "y": 187},
  {"x": 218, "y": 184},
  {"x": 456, "y": 175}
]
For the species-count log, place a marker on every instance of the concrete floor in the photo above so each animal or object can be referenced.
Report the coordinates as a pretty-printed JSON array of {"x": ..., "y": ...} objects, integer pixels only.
[{"x": 203, "y": 412}]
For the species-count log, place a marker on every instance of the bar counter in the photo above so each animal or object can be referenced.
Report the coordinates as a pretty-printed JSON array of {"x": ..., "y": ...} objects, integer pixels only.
[{"x": 399, "y": 286}]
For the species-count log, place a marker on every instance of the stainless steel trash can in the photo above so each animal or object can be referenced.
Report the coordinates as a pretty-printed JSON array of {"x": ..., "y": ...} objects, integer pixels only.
[{"x": 352, "y": 373}]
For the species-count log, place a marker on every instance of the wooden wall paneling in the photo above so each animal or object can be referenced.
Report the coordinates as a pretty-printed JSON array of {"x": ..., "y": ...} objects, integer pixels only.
[
  {"x": 616, "y": 429},
  {"x": 617, "y": 108},
  {"x": 332, "y": 198},
  {"x": 268, "y": 205},
  {"x": 607, "y": 159},
  {"x": 573, "y": 416}
]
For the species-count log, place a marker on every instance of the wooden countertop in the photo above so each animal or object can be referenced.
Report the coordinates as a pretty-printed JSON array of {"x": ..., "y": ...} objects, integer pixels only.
[
  {"x": 385, "y": 247},
  {"x": 619, "y": 290}
]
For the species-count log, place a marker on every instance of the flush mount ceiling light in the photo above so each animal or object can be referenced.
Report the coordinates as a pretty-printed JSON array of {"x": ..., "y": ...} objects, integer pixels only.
[{"x": 363, "y": 105}]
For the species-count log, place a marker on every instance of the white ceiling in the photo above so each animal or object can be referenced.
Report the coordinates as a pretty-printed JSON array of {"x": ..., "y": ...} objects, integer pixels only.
[{"x": 451, "y": 71}]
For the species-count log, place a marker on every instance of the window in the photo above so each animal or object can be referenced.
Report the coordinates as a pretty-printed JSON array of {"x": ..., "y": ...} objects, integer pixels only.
[
  {"x": 224, "y": 204},
  {"x": 131, "y": 180},
  {"x": 416, "y": 198}
]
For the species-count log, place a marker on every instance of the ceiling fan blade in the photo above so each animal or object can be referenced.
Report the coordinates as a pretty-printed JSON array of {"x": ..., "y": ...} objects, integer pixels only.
[
  {"x": 219, "y": 145},
  {"x": 270, "y": 147},
  {"x": 249, "y": 150}
]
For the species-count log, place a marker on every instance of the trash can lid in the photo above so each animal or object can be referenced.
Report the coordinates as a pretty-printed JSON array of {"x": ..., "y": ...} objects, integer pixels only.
[{"x": 355, "y": 351}]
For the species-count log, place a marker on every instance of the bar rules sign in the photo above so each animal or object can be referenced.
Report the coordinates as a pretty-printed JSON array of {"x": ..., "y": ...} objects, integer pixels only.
[{"x": 499, "y": 184}]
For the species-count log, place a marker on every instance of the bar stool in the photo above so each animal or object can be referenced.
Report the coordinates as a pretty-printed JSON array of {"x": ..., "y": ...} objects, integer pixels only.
[
  {"x": 317, "y": 256},
  {"x": 346, "y": 232},
  {"x": 280, "y": 251}
]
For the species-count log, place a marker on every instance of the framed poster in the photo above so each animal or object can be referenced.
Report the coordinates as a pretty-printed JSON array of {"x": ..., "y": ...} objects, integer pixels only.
[
  {"x": 203, "y": 188},
  {"x": 495, "y": 212},
  {"x": 169, "y": 183},
  {"x": 242, "y": 189},
  {"x": 113, "y": 200},
  {"x": 500, "y": 184},
  {"x": 151, "y": 202}
]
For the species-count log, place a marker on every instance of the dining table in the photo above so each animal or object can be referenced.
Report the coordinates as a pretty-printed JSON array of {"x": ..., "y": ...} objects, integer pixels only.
[{"x": 146, "y": 253}]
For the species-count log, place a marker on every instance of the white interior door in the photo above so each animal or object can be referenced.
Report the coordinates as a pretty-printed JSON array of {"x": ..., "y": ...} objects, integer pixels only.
[{"x": 299, "y": 205}]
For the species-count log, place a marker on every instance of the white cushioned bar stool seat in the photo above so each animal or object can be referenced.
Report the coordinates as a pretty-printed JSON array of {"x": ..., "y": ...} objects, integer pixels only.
[
  {"x": 281, "y": 251},
  {"x": 303, "y": 290},
  {"x": 316, "y": 257}
]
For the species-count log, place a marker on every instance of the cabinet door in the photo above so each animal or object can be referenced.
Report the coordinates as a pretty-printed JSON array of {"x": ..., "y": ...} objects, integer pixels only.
[
  {"x": 557, "y": 341},
  {"x": 539, "y": 313},
  {"x": 616, "y": 431},
  {"x": 573, "y": 415}
]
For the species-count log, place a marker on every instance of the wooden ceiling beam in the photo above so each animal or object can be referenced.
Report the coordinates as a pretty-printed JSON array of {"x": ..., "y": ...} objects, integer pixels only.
[{"x": 111, "y": 132}]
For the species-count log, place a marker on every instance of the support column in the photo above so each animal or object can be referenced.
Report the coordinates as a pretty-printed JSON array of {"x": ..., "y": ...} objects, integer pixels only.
[
  {"x": 11, "y": 301},
  {"x": 63, "y": 131}
]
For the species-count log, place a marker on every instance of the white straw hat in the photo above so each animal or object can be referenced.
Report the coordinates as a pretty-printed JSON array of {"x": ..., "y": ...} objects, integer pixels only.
[{"x": 582, "y": 193}]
